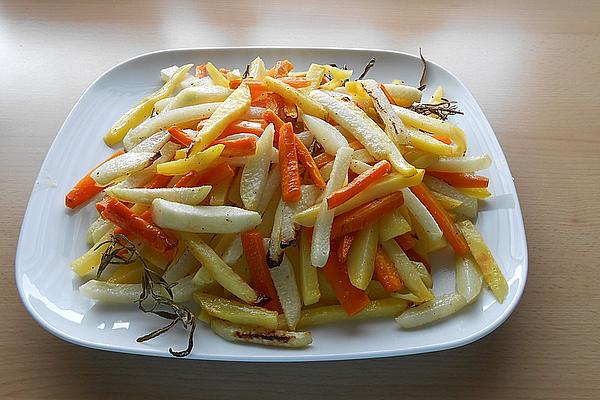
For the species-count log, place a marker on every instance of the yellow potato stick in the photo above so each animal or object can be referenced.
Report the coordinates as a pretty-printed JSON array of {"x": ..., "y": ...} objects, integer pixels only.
[
  {"x": 492, "y": 275},
  {"x": 137, "y": 114},
  {"x": 196, "y": 162}
]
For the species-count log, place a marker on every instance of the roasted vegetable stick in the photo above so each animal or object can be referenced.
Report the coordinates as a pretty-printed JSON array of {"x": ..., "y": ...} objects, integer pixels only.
[
  {"x": 203, "y": 219},
  {"x": 359, "y": 184},
  {"x": 335, "y": 313},
  {"x": 361, "y": 258},
  {"x": 352, "y": 299},
  {"x": 279, "y": 338},
  {"x": 236, "y": 312},
  {"x": 137, "y": 114},
  {"x": 254, "y": 251},
  {"x": 365, "y": 215},
  {"x": 307, "y": 273},
  {"x": 221, "y": 272},
  {"x": 288, "y": 165},
  {"x": 431, "y": 311},
  {"x": 386, "y": 273},
  {"x": 86, "y": 188},
  {"x": 485, "y": 260},
  {"x": 408, "y": 272},
  {"x": 453, "y": 236},
  {"x": 306, "y": 104}
]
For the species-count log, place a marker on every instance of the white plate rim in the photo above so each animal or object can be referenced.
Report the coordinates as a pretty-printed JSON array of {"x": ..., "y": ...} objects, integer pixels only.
[{"x": 303, "y": 358}]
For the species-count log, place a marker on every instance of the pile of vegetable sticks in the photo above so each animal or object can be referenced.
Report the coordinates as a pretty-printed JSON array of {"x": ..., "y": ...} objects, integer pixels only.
[{"x": 280, "y": 200}]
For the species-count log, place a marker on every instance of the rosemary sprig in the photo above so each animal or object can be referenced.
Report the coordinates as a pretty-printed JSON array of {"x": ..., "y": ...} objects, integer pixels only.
[
  {"x": 121, "y": 250},
  {"x": 423, "y": 72},
  {"x": 246, "y": 71},
  {"x": 443, "y": 110},
  {"x": 369, "y": 65}
]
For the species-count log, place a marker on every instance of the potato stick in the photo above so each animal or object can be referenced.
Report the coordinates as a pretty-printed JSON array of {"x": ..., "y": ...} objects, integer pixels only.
[
  {"x": 128, "y": 293},
  {"x": 232, "y": 109},
  {"x": 423, "y": 216},
  {"x": 307, "y": 273},
  {"x": 137, "y": 114},
  {"x": 431, "y": 311},
  {"x": 361, "y": 257},
  {"x": 478, "y": 193},
  {"x": 492, "y": 274},
  {"x": 365, "y": 130},
  {"x": 325, "y": 134},
  {"x": 190, "y": 196},
  {"x": 236, "y": 312},
  {"x": 394, "y": 224},
  {"x": 461, "y": 164},
  {"x": 336, "y": 313},
  {"x": 408, "y": 272},
  {"x": 195, "y": 95},
  {"x": 255, "y": 173},
  {"x": 221, "y": 272},
  {"x": 218, "y": 194},
  {"x": 469, "y": 205},
  {"x": 287, "y": 289},
  {"x": 320, "y": 249},
  {"x": 272, "y": 186},
  {"x": 203, "y": 219},
  {"x": 278, "y": 338},
  {"x": 197, "y": 162},
  {"x": 468, "y": 278}
]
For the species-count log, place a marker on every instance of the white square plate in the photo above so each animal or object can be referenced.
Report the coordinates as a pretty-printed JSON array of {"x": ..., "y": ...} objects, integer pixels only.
[{"x": 52, "y": 236}]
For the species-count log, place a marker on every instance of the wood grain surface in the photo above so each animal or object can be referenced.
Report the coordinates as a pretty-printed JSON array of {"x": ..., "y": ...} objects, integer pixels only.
[{"x": 534, "y": 68}]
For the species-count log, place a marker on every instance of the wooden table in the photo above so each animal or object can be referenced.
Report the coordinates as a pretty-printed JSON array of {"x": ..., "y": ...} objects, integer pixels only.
[{"x": 534, "y": 68}]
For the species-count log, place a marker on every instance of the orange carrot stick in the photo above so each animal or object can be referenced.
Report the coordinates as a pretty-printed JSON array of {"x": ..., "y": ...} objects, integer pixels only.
[
  {"x": 453, "y": 236},
  {"x": 365, "y": 215},
  {"x": 461, "y": 179},
  {"x": 344, "y": 247},
  {"x": 159, "y": 181},
  {"x": 86, "y": 188},
  {"x": 207, "y": 177},
  {"x": 256, "y": 258},
  {"x": 244, "y": 146},
  {"x": 309, "y": 163},
  {"x": 360, "y": 183},
  {"x": 149, "y": 234},
  {"x": 323, "y": 159},
  {"x": 288, "y": 165},
  {"x": 386, "y": 272},
  {"x": 201, "y": 71},
  {"x": 281, "y": 69},
  {"x": 356, "y": 145},
  {"x": 179, "y": 136},
  {"x": 406, "y": 241},
  {"x": 443, "y": 139},
  {"x": 352, "y": 299},
  {"x": 271, "y": 118}
]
